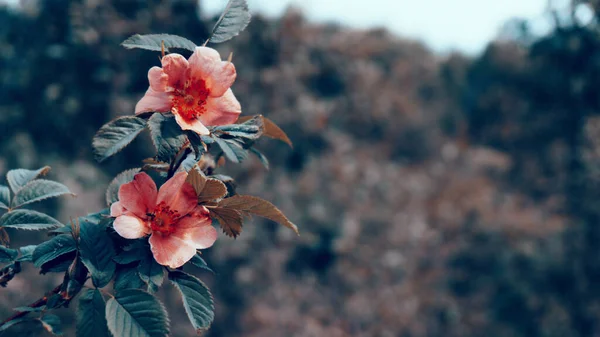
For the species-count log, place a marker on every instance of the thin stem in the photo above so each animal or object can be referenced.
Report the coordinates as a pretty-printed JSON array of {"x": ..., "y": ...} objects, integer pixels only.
[
  {"x": 40, "y": 302},
  {"x": 179, "y": 158}
]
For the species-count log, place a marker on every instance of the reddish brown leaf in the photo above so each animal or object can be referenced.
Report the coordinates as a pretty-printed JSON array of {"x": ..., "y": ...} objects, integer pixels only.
[
  {"x": 229, "y": 219},
  {"x": 253, "y": 205},
  {"x": 213, "y": 189},
  {"x": 197, "y": 179},
  {"x": 270, "y": 129}
]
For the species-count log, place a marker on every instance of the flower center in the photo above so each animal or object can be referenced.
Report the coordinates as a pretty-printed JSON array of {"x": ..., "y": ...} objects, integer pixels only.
[
  {"x": 191, "y": 100},
  {"x": 163, "y": 219}
]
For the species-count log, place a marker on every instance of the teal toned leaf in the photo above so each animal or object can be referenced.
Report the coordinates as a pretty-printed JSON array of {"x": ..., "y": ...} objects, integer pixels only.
[
  {"x": 52, "y": 249},
  {"x": 91, "y": 317},
  {"x": 15, "y": 322},
  {"x": 97, "y": 251},
  {"x": 128, "y": 278},
  {"x": 20, "y": 177},
  {"x": 234, "y": 20},
  {"x": 197, "y": 300},
  {"x": 38, "y": 190},
  {"x": 29, "y": 220},
  {"x": 167, "y": 136},
  {"x": 128, "y": 256},
  {"x": 26, "y": 253},
  {"x": 55, "y": 301},
  {"x": 228, "y": 150},
  {"x": 240, "y": 130},
  {"x": 253, "y": 205},
  {"x": 151, "y": 272},
  {"x": 59, "y": 264},
  {"x": 4, "y": 197},
  {"x": 52, "y": 324},
  {"x": 7, "y": 254},
  {"x": 199, "y": 262},
  {"x": 112, "y": 192},
  {"x": 97, "y": 217},
  {"x": 261, "y": 157},
  {"x": 270, "y": 129},
  {"x": 30, "y": 309},
  {"x": 155, "y": 41},
  {"x": 115, "y": 135},
  {"x": 136, "y": 313}
]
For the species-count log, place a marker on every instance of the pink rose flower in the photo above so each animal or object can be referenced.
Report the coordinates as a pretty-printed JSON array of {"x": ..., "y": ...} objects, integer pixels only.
[
  {"x": 177, "y": 225},
  {"x": 197, "y": 91}
]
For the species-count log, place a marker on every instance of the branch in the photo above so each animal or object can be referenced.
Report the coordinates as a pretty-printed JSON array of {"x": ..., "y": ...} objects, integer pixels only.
[{"x": 40, "y": 302}]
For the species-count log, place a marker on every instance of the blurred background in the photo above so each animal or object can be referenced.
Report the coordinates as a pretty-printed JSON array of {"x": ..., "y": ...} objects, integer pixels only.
[{"x": 444, "y": 176}]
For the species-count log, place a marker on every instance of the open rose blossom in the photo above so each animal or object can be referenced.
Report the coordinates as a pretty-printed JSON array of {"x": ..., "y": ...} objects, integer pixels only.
[
  {"x": 197, "y": 91},
  {"x": 177, "y": 225}
]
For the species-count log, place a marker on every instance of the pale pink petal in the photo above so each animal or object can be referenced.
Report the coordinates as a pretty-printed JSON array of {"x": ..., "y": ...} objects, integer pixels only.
[
  {"x": 158, "y": 79},
  {"x": 178, "y": 195},
  {"x": 195, "y": 125},
  {"x": 175, "y": 66},
  {"x": 196, "y": 231},
  {"x": 117, "y": 209},
  {"x": 139, "y": 195},
  {"x": 221, "y": 110},
  {"x": 170, "y": 250},
  {"x": 154, "y": 101},
  {"x": 205, "y": 64},
  {"x": 131, "y": 227}
]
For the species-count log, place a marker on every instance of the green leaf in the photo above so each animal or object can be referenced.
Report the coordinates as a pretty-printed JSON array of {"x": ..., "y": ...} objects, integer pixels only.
[
  {"x": 230, "y": 152},
  {"x": 134, "y": 254},
  {"x": 20, "y": 177},
  {"x": 91, "y": 317},
  {"x": 128, "y": 278},
  {"x": 52, "y": 324},
  {"x": 199, "y": 262},
  {"x": 38, "y": 190},
  {"x": 26, "y": 253},
  {"x": 4, "y": 197},
  {"x": 30, "y": 309},
  {"x": 97, "y": 217},
  {"x": 261, "y": 157},
  {"x": 136, "y": 313},
  {"x": 234, "y": 19},
  {"x": 52, "y": 249},
  {"x": 115, "y": 135},
  {"x": 151, "y": 272},
  {"x": 97, "y": 251},
  {"x": 154, "y": 42},
  {"x": 59, "y": 264},
  {"x": 197, "y": 300},
  {"x": 29, "y": 220},
  {"x": 248, "y": 131},
  {"x": 112, "y": 192},
  {"x": 7, "y": 254},
  {"x": 167, "y": 136},
  {"x": 13, "y": 322}
]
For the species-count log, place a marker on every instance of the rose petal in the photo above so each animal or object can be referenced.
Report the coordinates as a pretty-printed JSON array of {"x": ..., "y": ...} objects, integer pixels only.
[
  {"x": 221, "y": 110},
  {"x": 197, "y": 232},
  {"x": 221, "y": 78},
  {"x": 195, "y": 125},
  {"x": 205, "y": 63},
  {"x": 130, "y": 227},
  {"x": 158, "y": 79},
  {"x": 178, "y": 195},
  {"x": 117, "y": 209},
  {"x": 139, "y": 195},
  {"x": 175, "y": 66},
  {"x": 170, "y": 250},
  {"x": 154, "y": 101}
]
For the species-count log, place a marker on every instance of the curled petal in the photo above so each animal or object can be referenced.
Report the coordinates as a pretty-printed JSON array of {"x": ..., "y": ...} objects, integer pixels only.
[
  {"x": 154, "y": 101},
  {"x": 130, "y": 227},
  {"x": 221, "y": 110},
  {"x": 178, "y": 195},
  {"x": 170, "y": 250},
  {"x": 117, "y": 209},
  {"x": 175, "y": 66},
  {"x": 139, "y": 195},
  {"x": 158, "y": 79},
  {"x": 205, "y": 63},
  {"x": 194, "y": 125}
]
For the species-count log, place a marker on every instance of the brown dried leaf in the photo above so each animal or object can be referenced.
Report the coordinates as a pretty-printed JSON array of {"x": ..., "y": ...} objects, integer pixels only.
[
  {"x": 197, "y": 179},
  {"x": 254, "y": 205},
  {"x": 229, "y": 219},
  {"x": 213, "y": 189}
]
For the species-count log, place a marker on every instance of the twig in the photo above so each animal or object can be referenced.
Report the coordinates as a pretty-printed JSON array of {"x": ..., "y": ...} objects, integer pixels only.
[
  {"x": 179, "y": 158},
  {"x": 40, "y": 302}
]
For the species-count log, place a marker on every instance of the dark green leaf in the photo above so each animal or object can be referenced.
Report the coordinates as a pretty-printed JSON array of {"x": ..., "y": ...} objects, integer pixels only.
[
  {"x": 97, "y": 217},
  {"x": 240, "y": 130},
  {"x": 128, "y": 256},
  {"x": 8, "y": 272},
  {"x": 115, "y": 135},
  {"x": 30, "y": 309},
  {"x": 26, "y": 253},
  {"x": 7, "y": 254},
  {"x": 151, "y": 272},
  {"x": 136, "y": 313},
  {"x": 154, "y": 42},
  {"x": 91, "y": 317},
  {"x": 197, "y": 300},
  {"x": 52, "y": 324},
  {"x": 97, "y": 251},
  {"x": 232, "y": 150},
  {"x": 29, "y": 220},
  {"x": 4, "y": 197},
  {"x": 128, "y": 278},
  {"x": 59, "y": 264},
  {"x": 234, "y": 19},
  {"x": 167, "y": 136},
  {"x": 112, "y": 192},
  {"x": 261, "y": 157},
  {"x": 52, "y": 249},
  {"x": 55, "y": 301},
  {"x": 199, "y": 262},
  {"x": 38, "y": 190},
  {"x": 15, "y": 322},
  {"x": 20, "y": 177}
]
